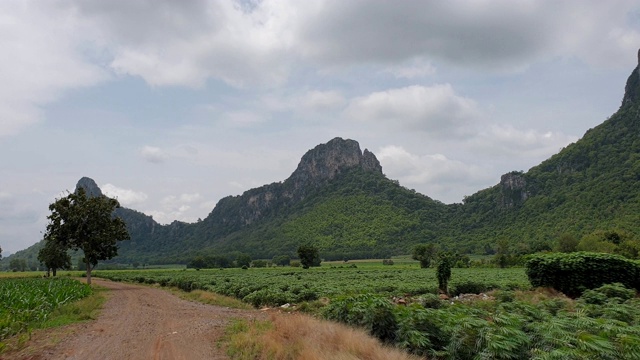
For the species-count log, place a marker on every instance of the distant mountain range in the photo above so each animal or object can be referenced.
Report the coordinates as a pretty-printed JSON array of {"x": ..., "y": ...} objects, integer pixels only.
[{"x": 339, "y": 199}]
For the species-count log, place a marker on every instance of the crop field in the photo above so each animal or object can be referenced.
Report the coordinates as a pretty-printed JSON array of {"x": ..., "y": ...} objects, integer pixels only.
[
  {"x": 28, "y": 301},
  {"x": 277, "y": 286}
]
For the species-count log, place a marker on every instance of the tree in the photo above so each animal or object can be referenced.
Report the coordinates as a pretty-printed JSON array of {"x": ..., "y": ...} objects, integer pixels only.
[
  {"x": 243, "y": 260},
  {"x": 0, "y": 252},
  {"x": 309, "y": 256},
  {"x": 281, "y": 260},
  {"x": 567, "y": 243},
  {"x": 18, "y": 264},
  {"x": 54, "y": 255},
  {"x": 79, "y": 222},
  {"x": 443, "y": 272},
  {"x": 424, "y": 254}
]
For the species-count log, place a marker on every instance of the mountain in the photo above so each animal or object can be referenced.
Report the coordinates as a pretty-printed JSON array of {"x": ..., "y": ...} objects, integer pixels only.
[
  {"x": 339, "y": 199},
  {"x": 592, "y": 184}
]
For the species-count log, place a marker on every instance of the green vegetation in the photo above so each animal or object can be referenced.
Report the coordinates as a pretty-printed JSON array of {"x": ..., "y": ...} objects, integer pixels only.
[
  {"x": 575, "y": 272},
  {"x": 510, "y": 326},
  {"x": 81, "y": 222},
  {"x": 309, "y": 256},
  {"x": 278, "y": 286},
  {"x": 25, "y": 303}
]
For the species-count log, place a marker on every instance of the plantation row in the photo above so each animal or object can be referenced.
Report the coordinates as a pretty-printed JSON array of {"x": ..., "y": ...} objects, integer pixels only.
[
  {"x": 603, "y": 324},
  {"x": 277, "y": 286},
  {"x": 28, "y": 301}
]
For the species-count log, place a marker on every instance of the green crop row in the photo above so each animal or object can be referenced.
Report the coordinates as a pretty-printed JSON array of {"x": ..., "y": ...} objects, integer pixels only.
[
  {"x": 28, "y": 301},
  {"x": 277, "y": 286},
  {"x": 605, "y": 324}
]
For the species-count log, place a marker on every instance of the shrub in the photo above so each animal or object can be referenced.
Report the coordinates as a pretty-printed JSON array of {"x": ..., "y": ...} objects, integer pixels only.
[
  {"x": 576, "y": 272},
  {"x": 371, "y": 312},
  {"x": 604, "y": 293},
  {"x": 471, "y": 287},
  {"x": 430, "y": 301}
]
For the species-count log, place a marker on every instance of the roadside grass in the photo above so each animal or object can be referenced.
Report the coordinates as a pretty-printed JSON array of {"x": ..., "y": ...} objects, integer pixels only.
[
  {"x": 291, "y": 336},
  {"x": 78, "y": 311},
  {"x": 210, "y": 298}
]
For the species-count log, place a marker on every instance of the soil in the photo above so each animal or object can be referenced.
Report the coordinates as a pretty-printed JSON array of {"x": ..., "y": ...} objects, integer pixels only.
[{"x": 138, "y": 322}]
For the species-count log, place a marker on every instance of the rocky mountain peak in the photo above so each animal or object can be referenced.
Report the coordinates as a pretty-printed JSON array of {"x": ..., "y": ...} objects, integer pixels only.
[
  {"x": 89, "y": 186},
  {"x": 513, "y": 188},
  {"x": 326, "y": 161},
  {"x": 632, "y": 88}
]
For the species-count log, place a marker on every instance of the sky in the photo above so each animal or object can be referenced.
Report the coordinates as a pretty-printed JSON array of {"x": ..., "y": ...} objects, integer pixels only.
[{"x": 172, "y": 105}]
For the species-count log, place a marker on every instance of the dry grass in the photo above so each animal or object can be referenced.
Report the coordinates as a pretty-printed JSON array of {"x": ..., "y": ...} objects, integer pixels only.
[
  {"x": 210, "y": 298},
  {"x": 298, "y": 336}
]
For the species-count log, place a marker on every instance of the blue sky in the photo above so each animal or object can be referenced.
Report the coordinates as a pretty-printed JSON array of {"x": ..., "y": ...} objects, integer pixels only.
[{"x": 172, "y": 105}]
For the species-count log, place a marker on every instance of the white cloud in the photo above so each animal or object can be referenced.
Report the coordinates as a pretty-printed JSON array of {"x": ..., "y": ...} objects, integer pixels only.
[
  {"x": 40, "y": 61},
  {"x": 153, "y": 154},
  {"x": 323, "y": 100},
  {"x": 126, "y": 197},
  {"x": 414, "y": 68},
  {"x": 435, "y": 110},
  {"x": 176, "y": 207},
  {"x": 186, "y": 43},
  {"x": 432, "y": 174},
  {"x": 506, "y": 140}
]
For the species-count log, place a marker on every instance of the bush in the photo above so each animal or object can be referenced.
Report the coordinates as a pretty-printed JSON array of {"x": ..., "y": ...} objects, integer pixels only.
[
  {"x": 471, "y": 287},
  {"x": 604, "y": 293},
  {"x": 430, "y": 301},
  {"x": 367, "y": 311},
  {"x": 574, "y": 273}
]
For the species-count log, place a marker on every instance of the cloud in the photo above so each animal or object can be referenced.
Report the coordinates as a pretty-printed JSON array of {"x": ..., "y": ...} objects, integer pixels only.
[
  {"x": 323, "y": 100},
  {"x": 126, "y": 197},
  {"x": 41, "y": 61},
  {"x": 153, "y": 154},
  {"x": 506, "y": 140},
  {"x": 433, "y": 174},
  {"x": 186, "y": 43},
  {"x": 414, "y": 68},
  {"x": 176, "y": 207},
  {"x": 436, "y": 110},
  {"x": 500, "y": 35}
]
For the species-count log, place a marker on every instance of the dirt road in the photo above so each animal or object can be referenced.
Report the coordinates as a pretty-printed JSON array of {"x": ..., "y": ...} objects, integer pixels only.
[{"x": 139, "y": 322}]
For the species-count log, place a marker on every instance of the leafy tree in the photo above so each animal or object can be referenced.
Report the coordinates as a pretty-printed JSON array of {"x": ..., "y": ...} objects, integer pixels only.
[
  {"x": 259, "y": 263},
  {"x": 424, "y": 254},
  {"x": 0, "y": 252},
  {"x": 281, "y": 260},
  {"x": 79, "y": 222},
  {"x": 243, "y": 260},
  {"x": 443, "y": 272},
  {"x": 309, "y": 256},
  {"x": 54, "y": 255},
  {"x": 567, "y": 243},
  {"x": 17, "y": 264}
]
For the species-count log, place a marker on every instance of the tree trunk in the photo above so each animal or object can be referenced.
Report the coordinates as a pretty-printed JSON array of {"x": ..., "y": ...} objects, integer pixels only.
[
  {"x": 88, "y": 272},
  {"x": 54, "y": 272}
]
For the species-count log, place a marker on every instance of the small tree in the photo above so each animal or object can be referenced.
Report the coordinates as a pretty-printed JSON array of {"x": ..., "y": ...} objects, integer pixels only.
[
  {"x": 18, "y": 264},
  {"x": 54, "y": 255},
  {"x": 79, "y": 222},
  {"x": 443, "y": 272},
  {"x": 567, "y": 243},
  {"x": 424, "y": 254},
  {"x": 309, "y": 256},
  {"x": 281, "y": 260},
  {"x": 243, "y": 260}
]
